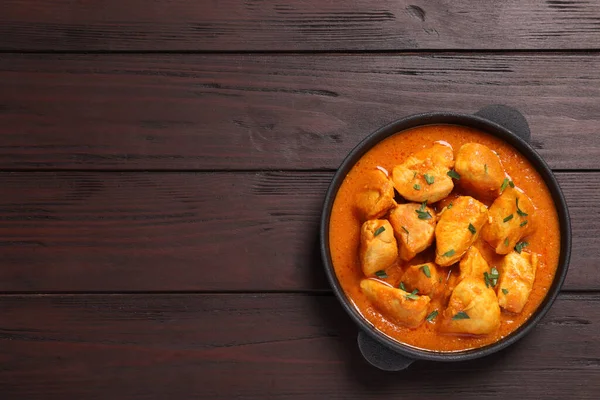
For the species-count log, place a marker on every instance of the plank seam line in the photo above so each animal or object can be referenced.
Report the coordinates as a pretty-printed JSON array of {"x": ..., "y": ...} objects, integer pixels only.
[
  {"x": 420, "y": 51},
  {"x": 316, "y": 292}
]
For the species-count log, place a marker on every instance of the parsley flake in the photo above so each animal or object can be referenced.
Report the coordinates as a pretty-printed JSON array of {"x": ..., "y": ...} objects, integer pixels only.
[
  {"x": 381, "y": 274},
  {"x": 422, "y": 212},
  {"x": 504, "y": 185},
  {"x": 472, "y": 229},
  {"x": 429, "y": 179},
  {"x": 519, "y": 211},
  {"x": 449, "y": 253},
  {"x": 519, "y": 246},
  {"x": 453, "y": 174},
  {"x": 491, "y": 278},
  {"x": 413, "y": 295},
  {"x": 431, "y": 316},
  {"x": 461, "y": 315},
  {"x": 379, "y": 231},
  {"x": 426, "y": 271},
  {"x": 407, "y": 233}
]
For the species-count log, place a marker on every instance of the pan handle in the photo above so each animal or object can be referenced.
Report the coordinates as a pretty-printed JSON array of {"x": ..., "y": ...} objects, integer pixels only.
[
  {"x": 381, "y": 356},
  {"x": 508, "y": 117}
]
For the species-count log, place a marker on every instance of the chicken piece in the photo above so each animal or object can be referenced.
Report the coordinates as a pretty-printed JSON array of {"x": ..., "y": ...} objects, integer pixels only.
[
  {"x": 473, "y": 264},
  {"x": 423, "y": 277},
  {"x": 423, "y": 176},
  {"x": 508, "y": 224},
  {"x": 516, "y": 280},
  {"x": 413, "y": 228},
  {"x": 458, "y": 228},
  {"x": 480, "y": 170},
  {"x": 378, "y": 247},
  {"x": 473, "y": 308},
  {"x": 376, "y": 196},
  {"x": 396, "y": 304}
]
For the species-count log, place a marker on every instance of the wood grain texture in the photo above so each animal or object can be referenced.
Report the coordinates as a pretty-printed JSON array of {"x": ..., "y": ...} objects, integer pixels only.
[
  {"x": 292, "y": 25},
  {"x": 160, "y": 231},
  {"x": 273, "y": 112},
  {"x": 201, "y": 232},
  {"x": 258, "y": 346}
]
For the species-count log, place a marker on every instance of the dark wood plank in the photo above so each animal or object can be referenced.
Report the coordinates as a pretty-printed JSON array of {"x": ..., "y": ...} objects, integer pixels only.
[
  {"x": 293, "y": 25},
  {"x": 188, "y": 231},
  {"x": 271, "y": 112},
  {"x": 160, "y": 231},
  {"x": 259, "y": 346}
]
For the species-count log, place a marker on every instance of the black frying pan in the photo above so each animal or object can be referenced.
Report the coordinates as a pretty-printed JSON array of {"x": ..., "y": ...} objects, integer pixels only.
[{"x": 498, "y": 120}]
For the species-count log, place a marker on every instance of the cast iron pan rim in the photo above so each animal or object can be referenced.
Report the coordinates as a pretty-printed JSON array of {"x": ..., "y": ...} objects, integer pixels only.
[{"x": 489, "y": 127}]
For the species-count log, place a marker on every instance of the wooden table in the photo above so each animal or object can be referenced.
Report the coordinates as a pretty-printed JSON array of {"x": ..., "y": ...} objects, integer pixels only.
[{"x": 163, "y": 165}]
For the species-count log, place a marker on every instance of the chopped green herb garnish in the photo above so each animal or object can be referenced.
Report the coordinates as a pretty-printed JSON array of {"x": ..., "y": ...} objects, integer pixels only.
[
  {"x": 504, "y": 185},
  {"x": 426, "y": 271},
  {"x": 431, "y": 316},
  {"x": 414, "y": 174},
  {"x": 449, "y": 253},
  {"x": 520, "y": 245},
  {"x": 506, "y": 242},
  {"x": 449, "y": 206},
  {"x": 485, "y": 168},
  {"x": 512, "y": 184},
  {"x": 422, "y": 212},
  {"x": 416, "y": 186},
  {"x": 472, "y": 229},
  {"x": 413, "y": 295},
  {"x": 405, "y": 230},
  {"x": 491, "y": 278},
  {"x": 429, "y": 179},
  {"x": 508, "y": 218},
  {"x": 461, "y": 315},
  {"x": 381, "y": 274},
  {"x": 519, "y": 211},
  {"x": 379, "y": 230},
  {"x": 424, "y": 215},
  {"x": 402, "y": 286},
  {"x": 453, "y": 174},
  {"x": 505, "y": 291},
  {"x": 523, "y": 223}
]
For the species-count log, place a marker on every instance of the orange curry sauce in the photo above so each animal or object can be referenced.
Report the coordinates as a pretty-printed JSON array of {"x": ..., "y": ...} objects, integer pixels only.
[{"x": 344, "y": 234}]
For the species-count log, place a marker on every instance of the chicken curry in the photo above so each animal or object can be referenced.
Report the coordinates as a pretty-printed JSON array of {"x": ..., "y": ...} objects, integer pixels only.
[{"x": 444, "y": 238}]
